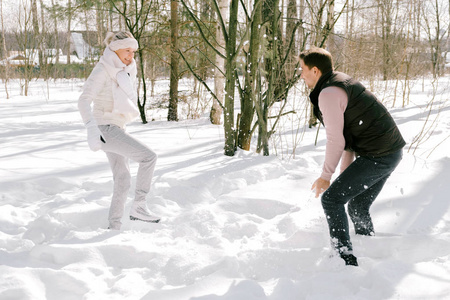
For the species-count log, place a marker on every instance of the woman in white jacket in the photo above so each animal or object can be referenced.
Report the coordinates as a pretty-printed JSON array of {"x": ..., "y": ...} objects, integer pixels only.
[{"x": 111, "y": 87}]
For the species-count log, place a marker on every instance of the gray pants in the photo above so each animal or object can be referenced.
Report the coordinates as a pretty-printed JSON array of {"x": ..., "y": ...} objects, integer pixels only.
[{"x": 119, "y": 146}]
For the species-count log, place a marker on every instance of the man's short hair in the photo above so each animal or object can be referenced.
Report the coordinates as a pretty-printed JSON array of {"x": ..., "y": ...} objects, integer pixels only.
[{"x": 317, "y": 57}]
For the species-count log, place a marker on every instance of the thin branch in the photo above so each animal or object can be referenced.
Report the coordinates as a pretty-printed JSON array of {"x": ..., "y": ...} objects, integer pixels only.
[
  {"x": 221, "y": 22},
  {"x": 200, "y": 79},
  {"x": 194, "y": 18},
  {"x": 210, "y": 61},
  {"x": 283, "y": 114},
  {"x": 331, "y": 26},
  {"x": 249, "y": 19},
  {"x": 291, "y": 43}
]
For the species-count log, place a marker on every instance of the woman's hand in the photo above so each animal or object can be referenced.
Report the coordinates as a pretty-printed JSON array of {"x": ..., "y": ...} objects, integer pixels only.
[{"x": 94, "y": 136}]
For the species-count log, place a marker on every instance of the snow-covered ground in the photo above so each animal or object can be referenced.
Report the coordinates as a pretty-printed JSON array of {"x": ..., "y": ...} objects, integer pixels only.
[{"x": 243, "y": 227}]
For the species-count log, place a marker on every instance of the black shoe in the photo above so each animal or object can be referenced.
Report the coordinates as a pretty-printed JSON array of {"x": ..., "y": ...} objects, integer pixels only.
[{"x": 350, "y": 259}]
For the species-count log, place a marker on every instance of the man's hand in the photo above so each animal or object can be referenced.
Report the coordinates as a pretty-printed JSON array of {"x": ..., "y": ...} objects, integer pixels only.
[{"x": 320, "y": 185}]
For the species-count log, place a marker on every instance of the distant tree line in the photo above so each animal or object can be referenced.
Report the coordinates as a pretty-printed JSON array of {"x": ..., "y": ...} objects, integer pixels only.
[{"x": 238, "y": 50}]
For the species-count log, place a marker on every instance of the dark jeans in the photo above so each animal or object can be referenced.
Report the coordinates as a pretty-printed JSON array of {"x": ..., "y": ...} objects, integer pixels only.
[{"x": 358, "y": 186}]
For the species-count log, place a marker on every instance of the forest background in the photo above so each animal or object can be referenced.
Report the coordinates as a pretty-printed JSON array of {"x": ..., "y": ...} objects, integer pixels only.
[{"x": 239, "y": 52}]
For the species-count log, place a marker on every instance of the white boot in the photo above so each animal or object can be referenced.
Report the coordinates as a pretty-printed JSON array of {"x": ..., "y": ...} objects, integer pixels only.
[{"x": 140, "y": 212}]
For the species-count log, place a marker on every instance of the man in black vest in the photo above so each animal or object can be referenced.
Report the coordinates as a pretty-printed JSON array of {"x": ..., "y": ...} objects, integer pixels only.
[{"x": 356, "y": 125}]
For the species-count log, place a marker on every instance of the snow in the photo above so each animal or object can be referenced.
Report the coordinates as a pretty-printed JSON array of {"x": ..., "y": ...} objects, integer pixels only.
[{"x": 233, "y": 228}]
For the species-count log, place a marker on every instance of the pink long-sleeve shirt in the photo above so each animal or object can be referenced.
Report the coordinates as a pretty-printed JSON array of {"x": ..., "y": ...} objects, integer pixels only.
[{"x": 332, "y": 103}]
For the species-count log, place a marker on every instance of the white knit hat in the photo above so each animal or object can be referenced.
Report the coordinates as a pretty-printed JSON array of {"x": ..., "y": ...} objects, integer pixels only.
[{"x": 123, "y": 44}]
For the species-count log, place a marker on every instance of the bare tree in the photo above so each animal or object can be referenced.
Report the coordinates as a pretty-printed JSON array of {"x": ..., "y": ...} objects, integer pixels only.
[
  {"x": 56, "y": 36},
  {"x": 252, "y": 77},
  {"x": 261, "y": 88},
  {"x": 5, "y": 51},
  {"x": 435, "y": 32},
  {"x": 173, "y": 93},
  {"x": 69, "y": 29},
  {"x": 292, "y": 25},
  {"x": 386, "y": 9},
  {"x": 24, "y": 38}
]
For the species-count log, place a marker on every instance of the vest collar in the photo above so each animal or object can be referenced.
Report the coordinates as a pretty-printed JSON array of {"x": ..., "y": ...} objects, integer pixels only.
[{"x": 314, "y": 95}]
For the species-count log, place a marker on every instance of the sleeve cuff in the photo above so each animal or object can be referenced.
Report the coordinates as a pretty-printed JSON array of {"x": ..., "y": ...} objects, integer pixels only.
[{"x": 326, "y": 176}]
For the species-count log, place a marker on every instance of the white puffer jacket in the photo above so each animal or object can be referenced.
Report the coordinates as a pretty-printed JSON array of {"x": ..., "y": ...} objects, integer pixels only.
[{"x": 98, "y": 89}]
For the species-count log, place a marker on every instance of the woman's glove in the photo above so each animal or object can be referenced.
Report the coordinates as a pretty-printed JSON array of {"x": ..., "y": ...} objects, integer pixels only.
[{"x": 94, "y": 136}]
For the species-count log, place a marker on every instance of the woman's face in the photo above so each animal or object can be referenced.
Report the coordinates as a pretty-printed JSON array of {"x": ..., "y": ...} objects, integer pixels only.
[{"x": 126, "y": 55}]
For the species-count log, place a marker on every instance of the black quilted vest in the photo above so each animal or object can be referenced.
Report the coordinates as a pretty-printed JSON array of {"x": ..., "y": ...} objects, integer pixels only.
[{"x": 369, "y": 129}]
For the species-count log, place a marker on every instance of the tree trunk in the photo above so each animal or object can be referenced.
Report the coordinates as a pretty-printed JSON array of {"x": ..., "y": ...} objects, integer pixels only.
[
  {"x": 329, "y": 28},
  {"x": 251, "y": 93},
  {"x": 276, "y": 79},
  {"x": 69, "y": 33},
  {"x": 271, "y": 15},
  {"x": 205, "y": 18},
  {"x": 219, "y": 78},
  {"x": 173, "y": 93},
  {"x": 100, "y": 20},
  {"x": 292, "y": 15},
  {"x": 230, "y": 132},
  {"x": 5, "y": 50},
  {"x": 37, "y": 36},
  {"x": 386, "y": 25},
  {"x": 42, "y": 44},
  {"x": 141, "y": 105},
  {"x": 56, "y": 37}
]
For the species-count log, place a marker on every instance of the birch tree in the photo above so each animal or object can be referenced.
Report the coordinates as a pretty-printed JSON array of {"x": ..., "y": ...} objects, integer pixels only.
[
  {"x": 219, "y": 68},
  {"x": 37, "y": 35}
]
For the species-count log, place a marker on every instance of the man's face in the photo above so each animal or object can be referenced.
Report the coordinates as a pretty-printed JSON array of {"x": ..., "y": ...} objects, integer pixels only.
[{"x": 310, "y": 76}]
